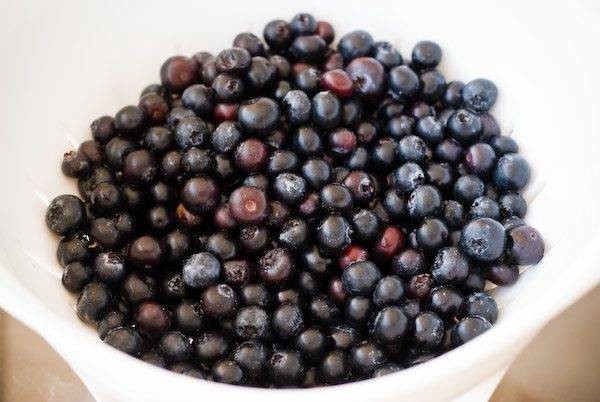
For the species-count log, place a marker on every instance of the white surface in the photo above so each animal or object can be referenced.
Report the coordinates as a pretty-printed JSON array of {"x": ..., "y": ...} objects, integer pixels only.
[{"x": 65, "y": 63}]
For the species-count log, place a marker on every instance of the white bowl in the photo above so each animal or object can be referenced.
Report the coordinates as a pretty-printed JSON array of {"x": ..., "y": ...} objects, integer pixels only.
[{"x": 66, "y": 63}]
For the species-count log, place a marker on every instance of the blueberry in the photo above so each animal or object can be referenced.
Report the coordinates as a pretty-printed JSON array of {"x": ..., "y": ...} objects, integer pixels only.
[
  {"x": 303, "y": 24},
  {"x": 294, "y": 234},
  {"x": 285, "y": 367},
  {"x": 262, "y": 74},
  {"x": 408, "y": 262},
  {"x": 386, "y": 54},
  {"x": 201, "y": 270},
  {"x": 432, "y": 85},
  {"x": 503, "y": 144},
  {"x": 65, "y": 214},
  {"x": 440, "y": 175},
  {"x": 366, "y": 356},
  {"x": 309, "y": 48},
  {"x": 426, "y": 54},
  {"x": 404, "y": 83},
  {"x": 430, "y": 129},
  {"x": 109, "y": 267},
  {"x": 210, "y": 346},
  {"x": 276, "y": 267},
  {"x": 252, "y": 357},
  {"x": 391, "y": 325},
  {"x": 413, "y": 149},
  {"x": 103, "y": 129},
  {"x": 469, "y": 328},
  {"x": 432, "y": 234},
  {"x": 453, "y": 94},
  {"x": 259, "y": 115},
  {"x": 277, "y": 34},
  {"x": 450, "y": 266},
  {"x": 484, "y": 207},
  {"x": 317, "y": 172},
  {"x": 191, "y": 132},
  {"x": 483, "y": 239},
  {"x": 251, "y": 323},
  {"x": 93, "y": 303},
  {"x": 428, "y": 330},
  {"x": 365, "y": 224},
  {"x": 76, "y": 275},
  {"x": 289, "y": 188},
  {"x": 368, "y": 76},
  {"x": 512, "y": 172},
  {"x": 124, "y": 339},
  {"x": 297, "y": 107},
  {"x": 408, "y": 177},
  {"x": 388, "y": 291},
  {"x": 513, "y": 204},
  {"x": 464, "y": 126},
  {"x": 287, "y": 320},
  {"x": 480, "y": 94},
  {"x": 334, "y": 368},
  {"x": 453, "y": 213},
  {"x": 326, "y": 109},
  {"x": 360, "y": 278},
  {"x": 468, "y": 188},
  {"x": 445, "y": 301},
  {"x": 424, "y": 201},
  {"x": 333, "y": 234},
  {"x": 355, "y": 44},
  {"x": 480, "y": 159},
  {"x": 524, "y": 245}
]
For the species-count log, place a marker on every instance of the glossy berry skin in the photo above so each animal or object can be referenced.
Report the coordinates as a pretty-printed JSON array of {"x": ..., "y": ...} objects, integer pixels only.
[
  {"x": 333, "y": 234},
  {"x": 431, "y": 235},
  {"x": 289, "y": 188},
  {"x": 294, "y": 234},
  {"x": 366, "y": 356},
  {"x": 468, "y": 188},
  {"x": 408, "y": 177},
  {"x": 336, "y": 198},
  {"x": 512, "y": 172},
  {"x": 200, "y": 194},
  {"x": 338, "y": 82},
  {"x": 124, "y": 339},
  {"x": 483, "y": 239},
  {"x": 277, "y": 34},
  {"x": 525, "y": 245},
  {"x": 432, "y": 86},
  {"x": 388, "y": 291},
  {"x": 312, "y": 260},
  {"x": 287, "y": 320},
  {"x": 248, "y": 205},
  {"x": 334, "y": 368},
  {"x": 65, "y": 214},
  {"x": 389, "y": 242},
  {"x": 285, "y": 368},
  {"x": 445, "y": 301},
  {"x": 297, "y": 107},
  {"x": 103, "y": 129},
  {"x": 386, "y": 54},
  {"x": 259, "y": 115},
  {"x": 252, "y": 357},
  {"x": 404, "y": 83},
  {"x": 480, "y": 94},
  {"x": 219, "y": 301},
  {"x": 450, "y": 265},
  {"x": 453, "y": 94},
  {"x": 93, "y": 303},
  {"x": 360, "y": 278},
  {"x": 201, "y": 270},
  {"x": 174, "y": 347},
  {"x": 152, "y": 318},
  {"x": 310, "y": 48},
  {"x": 391, "y": 325},
  {"x": 177, "y": 73},
  {"x": 75, "y": 164},
  {"x": 355, "y": 44},
  {"x": 464, "y": 126},
  {"x": 368, "y": 76},
  {"x": 426, "y": 54},
  {"x": 251, "y": 323},
  {"x": 276, "y": 267},
  {"x": 235, "y": 60},
  {"x": 419, "y": 286},
  {"x": 428, "y": 330},
  {"x": 424, "y": 201},
  {"x": 109, "y": 267},
  {"x": 145, "y": 252},
  {"x": 480, "y": 304},
  {"x": 480, "y": 159},
  {"x": 326, "y": 109},
  {"x": 469, "y": 328},
  {"x": 76, "y": 276},
  {"x": 408, "y": 262},
  {"x": 210, "y": 346},
  {"x": 352, "y": 254},
  {"x": 317, "y": 172},
  {"x": 512, "y": 204}
]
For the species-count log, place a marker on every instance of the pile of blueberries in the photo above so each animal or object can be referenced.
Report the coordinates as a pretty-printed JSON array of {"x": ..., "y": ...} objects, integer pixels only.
[{"x": 287, "y": 213}]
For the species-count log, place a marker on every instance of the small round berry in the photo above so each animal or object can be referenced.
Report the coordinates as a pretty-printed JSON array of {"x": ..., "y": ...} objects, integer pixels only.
[
  {"x": 525, "y": 245},
  {"x": 65, "y": 214},
  {"x": 480, "y": 95},
  {"x": 469, "y": 328},
  {"x": 287, "y": 320},
  {"x": 276, "y": 267},
  {"x": 483, "y": 239}
]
